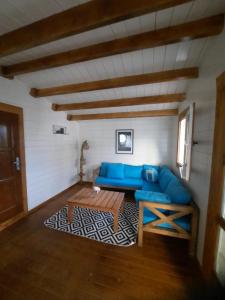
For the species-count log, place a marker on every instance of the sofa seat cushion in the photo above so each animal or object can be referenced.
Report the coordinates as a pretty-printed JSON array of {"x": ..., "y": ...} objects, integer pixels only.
[
  {"x": 126, "y": 182},
  {"x": 165, "y": 176},
  {"x": 151, "y": 186},
  {"x": 133, "y": 171},
  {"x": 183, "y": 222},
  {"x": 152, "y": 197},
  {"x": 115, "y": 171},
  {"x": 178, "y": 193}
]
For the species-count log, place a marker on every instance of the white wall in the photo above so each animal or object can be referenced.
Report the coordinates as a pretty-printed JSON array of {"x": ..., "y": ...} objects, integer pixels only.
[
  {"x": 203, "y": 93},
  {"x": 51, "y": 160},
  {"x": 154, "y": 141}
]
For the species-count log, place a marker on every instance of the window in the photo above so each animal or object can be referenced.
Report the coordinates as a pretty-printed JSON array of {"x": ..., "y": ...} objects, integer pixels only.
[{"x": 184, "y": 142}]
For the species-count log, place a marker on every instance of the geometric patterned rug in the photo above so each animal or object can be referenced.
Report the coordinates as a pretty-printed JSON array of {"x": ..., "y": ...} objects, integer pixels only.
[{"x": 98, "y": 225}]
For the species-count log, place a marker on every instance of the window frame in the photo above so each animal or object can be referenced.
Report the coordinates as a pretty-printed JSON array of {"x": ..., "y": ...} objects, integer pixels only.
[{"x": 188, "y": 114}]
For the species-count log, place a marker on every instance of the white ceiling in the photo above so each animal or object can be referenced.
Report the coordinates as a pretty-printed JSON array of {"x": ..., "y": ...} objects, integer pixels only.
[{"x": 17, "y": 13}]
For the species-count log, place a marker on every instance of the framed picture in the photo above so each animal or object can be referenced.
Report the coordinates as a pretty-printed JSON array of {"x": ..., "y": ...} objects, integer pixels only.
[
  {"x": 59, "y": 129},
  {"x": 124, "y": 141}
]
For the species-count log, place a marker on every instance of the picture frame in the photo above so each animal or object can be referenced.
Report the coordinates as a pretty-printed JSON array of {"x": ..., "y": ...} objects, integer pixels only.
[
  {"x": 57, "y": 129},
  {"x": 124, "y": 141}
]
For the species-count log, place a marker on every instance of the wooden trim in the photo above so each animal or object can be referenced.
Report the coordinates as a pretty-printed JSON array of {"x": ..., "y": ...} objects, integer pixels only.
[
  {"x": 119, "y": 115},
  {"x": 173, "y": 207},
  {"x": 221, "y": 222},
  {"x": 22, "y": 215},
  {"x": 166, "y": 232},
  {"x": 181, "y": 116},
  {"x": 81, "y": 18},
  {"x": 149, "y": 78},
  {"x": 193, "y": 30},
  {"x": 176, "y": 230},
  {"x": 170, "y": 98},
  {"x": 140, "y": 223},
  {"x": 216, "y": 182},
  {"x": 116, "y": 187},
  {"x": 13, "y": 220},
  {"x": 19, "y": 111}
]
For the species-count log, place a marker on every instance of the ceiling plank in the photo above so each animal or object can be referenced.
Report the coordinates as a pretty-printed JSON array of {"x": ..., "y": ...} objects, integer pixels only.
[
  {"x": 189, "y": 31},
  {"x": 149, "y": 78},
  {"x": 87, "y": 16},
  {"x": 119, "y": 115},
  {"x": 170, "y": 98}
]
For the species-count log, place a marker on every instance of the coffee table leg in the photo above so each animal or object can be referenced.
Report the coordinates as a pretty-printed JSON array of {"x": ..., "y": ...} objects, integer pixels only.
[
  {"x": 70, "y": 213},
  {"x": 115, "y": 214}
]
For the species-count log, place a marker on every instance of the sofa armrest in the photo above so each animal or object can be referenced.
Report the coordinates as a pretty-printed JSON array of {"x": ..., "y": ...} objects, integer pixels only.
[
  {"x": 95, "y": 174},
  {"x": 169, "y": 206}
]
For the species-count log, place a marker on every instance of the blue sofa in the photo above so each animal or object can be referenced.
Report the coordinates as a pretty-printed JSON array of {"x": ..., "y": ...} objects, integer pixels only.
[
  {"x": 143, "y": 179},
  {"x": 165, "y": 204},
  {"x": 119, "y": 175}
]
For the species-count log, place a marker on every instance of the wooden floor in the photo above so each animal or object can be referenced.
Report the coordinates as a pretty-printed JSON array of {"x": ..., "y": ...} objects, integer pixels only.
[{"x": 39, "y": 263}]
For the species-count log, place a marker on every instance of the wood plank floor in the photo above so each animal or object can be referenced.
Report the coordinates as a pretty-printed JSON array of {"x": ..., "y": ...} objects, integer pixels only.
[{"x": 39, "y": 263}]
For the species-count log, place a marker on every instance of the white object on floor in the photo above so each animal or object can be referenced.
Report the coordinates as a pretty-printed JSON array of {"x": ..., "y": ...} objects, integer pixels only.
[{"x": 96, "y": 189}]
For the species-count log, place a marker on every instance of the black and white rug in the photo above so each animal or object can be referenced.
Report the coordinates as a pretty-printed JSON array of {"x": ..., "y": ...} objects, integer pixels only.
[{"x": 98, "y": 225}]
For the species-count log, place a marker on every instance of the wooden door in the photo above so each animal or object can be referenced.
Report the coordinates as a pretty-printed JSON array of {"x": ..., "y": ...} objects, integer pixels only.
[
  {"x": 11, "y": 190},
  {"x": 214, "y": 252}
]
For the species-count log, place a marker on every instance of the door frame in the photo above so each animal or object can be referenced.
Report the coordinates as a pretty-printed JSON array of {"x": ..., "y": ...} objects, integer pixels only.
[
  {"x": 216, "y": 189},
  {"x": 19, "y": 112}
]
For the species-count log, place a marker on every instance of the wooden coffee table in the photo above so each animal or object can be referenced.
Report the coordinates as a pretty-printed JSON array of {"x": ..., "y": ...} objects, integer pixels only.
[{"x": 103, "y": 201}]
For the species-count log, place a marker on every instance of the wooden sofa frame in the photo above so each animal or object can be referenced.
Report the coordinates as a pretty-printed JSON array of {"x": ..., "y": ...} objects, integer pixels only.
[
  {"x": 176, "y": 230},
  {"x": 153, "y": 226}
]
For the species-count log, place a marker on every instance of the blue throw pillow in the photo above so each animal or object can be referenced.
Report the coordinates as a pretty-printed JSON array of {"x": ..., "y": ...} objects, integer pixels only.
[
  {"x": 115, "y": 171},
  {"x": 157, "y": 168},
  {"x": 133, "y": 171},
  {"x": 151, "y": 173}
]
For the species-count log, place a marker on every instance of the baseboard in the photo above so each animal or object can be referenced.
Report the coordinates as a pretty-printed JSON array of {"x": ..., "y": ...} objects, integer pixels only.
[
  {"x": 21, "y": 215},
  {"x": 31, "y": 211},
  {"x": 13, "y": 220}
]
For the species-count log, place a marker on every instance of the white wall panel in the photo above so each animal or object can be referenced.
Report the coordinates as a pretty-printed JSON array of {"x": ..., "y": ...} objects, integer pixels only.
[
  {"x": 51, "y": 160},
  {"x": 154, "y": 141}
]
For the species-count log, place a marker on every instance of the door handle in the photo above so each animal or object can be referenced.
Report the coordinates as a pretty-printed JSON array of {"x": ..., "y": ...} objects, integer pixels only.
[{"x": 17, "y": 163}]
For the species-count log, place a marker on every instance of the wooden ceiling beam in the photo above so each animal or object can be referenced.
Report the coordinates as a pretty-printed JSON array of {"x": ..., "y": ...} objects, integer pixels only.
[
  {"x": 189, "y": 31},
  {"x": 84, "y": 17},
  {"x": 149, "y": 78},
  {"x": 157, "y": 99},
  {"x": 121, "y": 115}
]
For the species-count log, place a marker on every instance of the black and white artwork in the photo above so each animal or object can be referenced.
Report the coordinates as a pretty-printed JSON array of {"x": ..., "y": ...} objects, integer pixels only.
[
  {"x": 124, "y": 141},
  {"x": 59, "y": 129}
]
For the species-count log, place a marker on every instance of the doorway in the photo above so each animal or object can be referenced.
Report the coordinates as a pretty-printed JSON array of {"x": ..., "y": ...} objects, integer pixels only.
[
  {"x": 214, "y": 251},
  {"x": 13, "y": 199}
]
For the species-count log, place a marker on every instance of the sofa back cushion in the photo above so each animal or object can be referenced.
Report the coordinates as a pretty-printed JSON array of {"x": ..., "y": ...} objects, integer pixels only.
[
  {"x": 151, "y": 173},
  {"x": 178, "y": 193},
  {"x": 165, "y": 176},
  {"x": 103, "y": 169},
  {"x": 115, "y": 170},
  {"x": 133, "y": 171}
]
